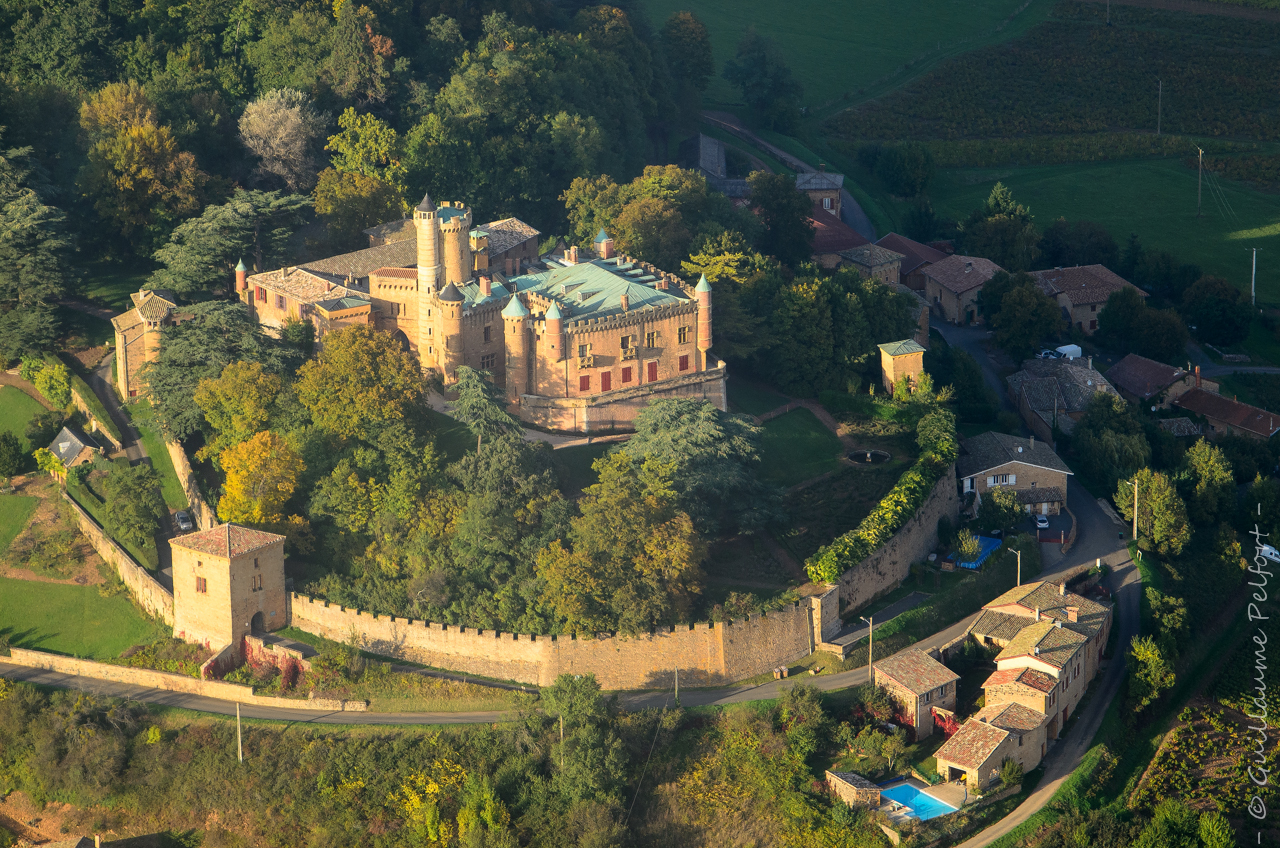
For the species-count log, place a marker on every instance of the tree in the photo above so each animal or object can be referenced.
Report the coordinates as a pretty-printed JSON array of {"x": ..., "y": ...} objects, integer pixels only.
[
  {"x": 65, "y": 42},
  {"x": 1170, "y": 614},
  {"x": 1150, "y": 674},
  {"x": 1162, "y": 335},
  {"x": 1216, "y": 831},
  {"x": 54, "y": 382},
  {"x": 784, "y": 211},
  {"x": 1219, "y": 310},
  {"x": 1108, "y": 440},
  {"x": 1214, "y": 481},
  {"x": 134, "y": 505},
  {"x": 1002, "y": 230},
  {"x": 368, "y": 146},
  {"x": 348, "y": 204},
  {"x": 906, "y": 168},
  {"x": 34, "y": 258},
  {"x": 11, "y": 456},
  {"x": 48, "y": 462},
  {"x": 362, "y": 380},
  {"x": 43, "y": 427},
  {"x": 1000, "y": 509},
  {"x": 688, "y": 50},
  {"x": 1010, "y": 772},
  {"x": 202, "y": 253},
  {"x": 634, "y": 557},
  {"x": 920, "y": 222},
  {"x": 895, "y": 745},
  {"x": 480, "y": 407},
  {"x": 738, "y": 276},
  {"x": 1120, "y": 319},
  {"x": 967, "y": 546},
  {"x": 238, "y": 404},
  {"x": 357, "y": 67},
  {"x": 1026, "y": 317},
  {"x": 1162, "y": 516},
  {"x": 283, "y": 129},
  {"x": 653, "y": 230},
  {"x": 763, "y": 77},
  {"x": 1174, "y": 825},
  {"x": 1078, "y": 243},
  {"x": 991, "y": 298},
  {"x": 262, "y": 473},
  {"x": 713, "y": 457}
]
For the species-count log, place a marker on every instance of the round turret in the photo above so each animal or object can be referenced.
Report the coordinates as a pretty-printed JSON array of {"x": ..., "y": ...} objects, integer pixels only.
[
  {"x": 515, "y": 323},
  {"x": 555, "y": 333},
  {"x": 703, "y": 293},
  {"x": 455, "y": 242}
]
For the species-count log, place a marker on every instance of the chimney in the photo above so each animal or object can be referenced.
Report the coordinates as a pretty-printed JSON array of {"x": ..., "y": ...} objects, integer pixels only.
[
  {"x": 1035, "y": 652},
  {"x": 1032, "y": 441},
  {"x": 506, "y": 263},
  {"x": 626, "y": 303},
  {"x": 1057, "y": 624},
  {"x": 1062, "y": 590},
  {"x": 822, "y": 167},
  {"x": 1090, "y": 363},
  {"x": 486, "y": 286},
  {"x": 573, "y": 254},
  {"x": 1197, "y": 375},
  {"x": 1073, "y": 613},
  {"x": 968, "y": 266},
  {"x": 1037, "y": 613},
  {"x": 606, "y": 248},
  {"x": 97, "y": 840}
]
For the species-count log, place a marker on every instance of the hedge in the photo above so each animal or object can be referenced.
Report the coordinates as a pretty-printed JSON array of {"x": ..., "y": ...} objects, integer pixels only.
[
  {"x": 889, "y": 516},
  {"x": 81, "y": 390}
]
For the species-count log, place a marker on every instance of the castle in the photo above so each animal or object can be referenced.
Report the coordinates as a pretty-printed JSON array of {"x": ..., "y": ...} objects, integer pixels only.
[{"x": 580, "y": 340}]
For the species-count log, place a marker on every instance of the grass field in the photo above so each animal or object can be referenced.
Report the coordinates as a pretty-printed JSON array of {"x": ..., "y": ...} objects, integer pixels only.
[
  {"x": 752, "y": 398},
  {"x": 845, "y": 47},
  {"x": 15, "y": 510},
  {"x": 170, "y": 487},
  {"x": 797, "y": 447},
  {"x": 16, "y": 409},
  {"x": 73, "y": 620},
  {"x": 836, "y": 505},
  {"x": 110, "y": 284}
]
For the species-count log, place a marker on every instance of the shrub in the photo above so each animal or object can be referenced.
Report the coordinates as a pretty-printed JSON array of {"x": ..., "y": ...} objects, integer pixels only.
[
  {"x": 1010, "y": 773},
  {"x": 54, "y": 382}
]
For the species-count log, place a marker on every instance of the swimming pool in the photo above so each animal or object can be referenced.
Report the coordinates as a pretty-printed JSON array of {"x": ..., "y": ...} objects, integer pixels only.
[{"x": 921, "y": 806}]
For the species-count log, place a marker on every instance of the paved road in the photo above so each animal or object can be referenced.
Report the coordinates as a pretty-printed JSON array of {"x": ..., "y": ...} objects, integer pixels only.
[{"x": 972, "y": 341}]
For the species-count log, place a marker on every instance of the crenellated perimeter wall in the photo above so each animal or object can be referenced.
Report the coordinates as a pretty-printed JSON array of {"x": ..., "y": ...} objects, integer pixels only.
[{"x": 704, "y": 654}]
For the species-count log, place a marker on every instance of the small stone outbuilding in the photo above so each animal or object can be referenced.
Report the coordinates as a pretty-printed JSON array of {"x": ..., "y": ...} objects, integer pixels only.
[
  {"x": 854, "y": 789},
  {"x": 901, "y": 359}
]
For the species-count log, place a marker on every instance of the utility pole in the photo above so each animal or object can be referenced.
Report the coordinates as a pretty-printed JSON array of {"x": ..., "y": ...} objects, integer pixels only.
[
  {"x": 1019, "y": 553},
  {"x": 1159, "y": 104},
  {"x": 1199, "y": 182},
  {"x": 677, "y": 687},
  {"x": 239, "y": 739},
  {"x": 871, "y": 649},
  {"x": 1253, "y": 282},
  {"x": 1134, "y": 484}
]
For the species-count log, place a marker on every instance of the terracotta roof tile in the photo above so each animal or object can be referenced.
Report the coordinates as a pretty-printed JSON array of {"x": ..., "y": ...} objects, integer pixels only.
[
  {"x": 959, "y": 274},
  {"x": 1047, "y": 642},
  {"x": 1082, "y": 284},
  {"x": 226, "y": 540},
  {"x": 871, "y": 256},
  {"x": 1011, "y": 716},
  {"x": 831, "y": 235},
  {"x": 1142, "y": 377},
  {"x": 1240, "y": 415},
  {"x": 972, "y": 745},
  {"x": 396, "y": 273},
  {"x": 914, "y": 254},
  {"x": 1029, "y": 677},
  {"x": 998, "y": 625},
  {"x": 991, "y": 450},
  {"x": 507, "y": 233},
  {"x": 916, "y": 671}
]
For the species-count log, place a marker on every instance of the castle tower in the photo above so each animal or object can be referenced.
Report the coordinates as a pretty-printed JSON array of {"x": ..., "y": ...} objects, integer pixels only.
[
  {"x": 425, "y": 226},
  {"x": 450, "y": 302},
  {"x": 515, "y": 320},
  {"x": 703, "y": 293},
  {"x": 604, "y": 245},
  {"x": 455, "y": 241},
  {"x": 555, "y": 333},
  {"x": 242, "y": 276},
  {"x": 228, "y": 581}
]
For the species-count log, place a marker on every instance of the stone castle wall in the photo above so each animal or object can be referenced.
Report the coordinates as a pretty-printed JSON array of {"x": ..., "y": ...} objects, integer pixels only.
[
  {"x": 201, "y": 513},
  {"x": 704, "y": 654},
  {"x": 153, "y": 597},
  {"x": 890, "y": 564}
]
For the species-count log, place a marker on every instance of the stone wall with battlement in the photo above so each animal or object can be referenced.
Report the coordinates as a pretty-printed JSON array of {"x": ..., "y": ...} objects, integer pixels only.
[
  {"x": 705, "y": 654},
  {"x": 890, "y": 564}
]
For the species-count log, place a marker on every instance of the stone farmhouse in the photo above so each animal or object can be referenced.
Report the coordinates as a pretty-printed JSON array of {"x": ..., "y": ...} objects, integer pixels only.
[
  {"x": 952, "y": 286},
  {"x": 823, "y": 189},
  {"x": 579, "y": 341},
  {"x": 1082, "y": 292},
  {"x": 916, "y": 259},
  {"x": 1055, "y": 393},
  {"x": 73, "y": 448},
  {"x": 138, "y": 335},
  {"x": 874, "y": 262},
  {"x": 1028, "y": 466},
  {"x": 999, "y": 732},
  {"x": 918, "y": 684},
  {"x": 1148, "y": 382},
  {"x": 1227, "y": 415},
  {"x": 832, "y": 238}
]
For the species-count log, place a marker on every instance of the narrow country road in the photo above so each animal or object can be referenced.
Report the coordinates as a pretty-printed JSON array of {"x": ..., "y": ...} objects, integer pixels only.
[{"x": 971, "y": 339}]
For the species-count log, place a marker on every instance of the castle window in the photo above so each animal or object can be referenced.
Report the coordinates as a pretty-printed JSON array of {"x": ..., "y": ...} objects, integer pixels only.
[
  {"x": 624, "y": 342},
  {"x": 651, "y": 339},
  {"x": 606, "y": 381},
  {"x": 488, "y": 360},
  {"x": 202, "y": 586},
  {"x": 584, "y": 382},
  {"x": 429, "y": 331},
  {"x": 261, "y": 294},
  {"x": 652, "y": 376},
  {"x": 684, "y": 362},
  {"x": 626, "y": 374},
  {"x": 682, "y": 335},
  {"x": 488, "y": 335},
  {"x": 584, "y": 349},
  {"x": 826, "y": 203}
]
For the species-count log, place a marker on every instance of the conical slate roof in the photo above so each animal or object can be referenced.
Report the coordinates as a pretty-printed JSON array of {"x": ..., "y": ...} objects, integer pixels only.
[
  {"x": 426, "y": 205},
  {"x": 451, "y": 294}
]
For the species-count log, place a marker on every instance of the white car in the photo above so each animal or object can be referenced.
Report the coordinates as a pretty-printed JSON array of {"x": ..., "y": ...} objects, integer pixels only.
[
  {"x": 1048, "y": 354},
  {"x": 1042, "y": 522},
  {"x": 184, "y": 522}
]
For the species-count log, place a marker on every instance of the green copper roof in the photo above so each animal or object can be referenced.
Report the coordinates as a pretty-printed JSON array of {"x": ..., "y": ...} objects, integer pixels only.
[
  {"x": 342, "y": 303},
  {"x": 447, "y": 212},
  {"x": 240, "y": 266},
  {"x": 554, "y": 313},
  {"x": 601, "y": 236},
  {"x": 703, "y": 285},
  {"x": 902, "y": 348},
  {"x": 515, "y": 309}
]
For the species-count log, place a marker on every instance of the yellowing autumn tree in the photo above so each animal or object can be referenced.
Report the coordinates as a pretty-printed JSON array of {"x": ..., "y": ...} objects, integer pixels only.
[
  {"x": 361, "y": 379},
  {"x": 237, "y": 404},
  {"x": 261, "y": 476}
]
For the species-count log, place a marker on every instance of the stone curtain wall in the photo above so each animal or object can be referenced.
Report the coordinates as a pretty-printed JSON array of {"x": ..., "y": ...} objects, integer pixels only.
[
  {"x": 149, "y": 594},
  {"x": 201, "y": 512},
  {"x": 705, "y": 654},
  {"x": 171, "y": 682},
  {"x": 885, "y": 569},
  {"x": 99, "y": 431}
]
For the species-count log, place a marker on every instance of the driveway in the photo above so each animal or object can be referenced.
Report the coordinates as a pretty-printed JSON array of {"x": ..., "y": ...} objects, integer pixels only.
[{"x": 972, "y": 340}]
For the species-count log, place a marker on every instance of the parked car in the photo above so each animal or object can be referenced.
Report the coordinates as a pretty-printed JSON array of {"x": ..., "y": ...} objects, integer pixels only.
[
  {"x": 1042, "y": 522},
  {"x": 183, "y": 520},
  {"x": 1048, "y": 354}
]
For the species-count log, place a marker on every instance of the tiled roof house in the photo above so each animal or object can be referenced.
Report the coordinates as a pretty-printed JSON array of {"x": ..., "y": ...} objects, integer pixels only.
[
  {"x": 999, "y": 732},
  {"x": 1226, "y": 415},
  {"x": 1029, "y": 466},
  {"x": 1149, "y": 382},
  {"x": 1055, "y": 391},
  {"x": 952, "y": 286},
  {"x": 916, "y": 259},
  {"x": 1082, "y": 291},
  {"x": 918, "y": 683}
]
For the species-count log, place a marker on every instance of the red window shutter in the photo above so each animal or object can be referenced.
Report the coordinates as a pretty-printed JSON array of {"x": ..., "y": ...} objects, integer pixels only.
[
  {"x": 584, "y": 383},
  {"x": 606, "y": 381},
  {"x": 652, "y": 376},
  {"x": 626, "y": 374},
  {"x": 684, "y": 362},
  {"x": 261, "y": 294}
]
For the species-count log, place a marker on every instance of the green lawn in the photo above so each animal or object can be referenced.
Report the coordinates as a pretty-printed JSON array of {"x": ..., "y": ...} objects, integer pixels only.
[
  {"x": 573, "y": 464},
  {"x": 147, "y": 556},
  {"x": 1155, "y": 198},
  {"x": 752, "y": 398},
  {"x": 16, "y": 409},
  {"x": 73, "y": 620},
  {"x": 81, "y": 330},
  {"x": 845, "y": 47},
  {"x": 453, "y": 439},
  {"x": 111, "y": 284},
  {"x": 797, "y": 447},
  {"x": 15, "y": 510}
]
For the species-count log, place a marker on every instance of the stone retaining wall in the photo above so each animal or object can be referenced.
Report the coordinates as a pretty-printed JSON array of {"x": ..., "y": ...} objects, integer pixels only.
[
  {"x": 172, "y": 682},
  {"x": 890, "y": 564},
  {"x": 201, "y": 513},
  {"x": 99, "y": 432},
  {"x": 149, "y": 594},
  {"x": 705, "y": 654}
]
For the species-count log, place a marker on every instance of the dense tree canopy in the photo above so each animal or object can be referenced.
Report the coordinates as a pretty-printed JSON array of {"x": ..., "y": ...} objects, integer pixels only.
[{"x": 768, "y": 88}]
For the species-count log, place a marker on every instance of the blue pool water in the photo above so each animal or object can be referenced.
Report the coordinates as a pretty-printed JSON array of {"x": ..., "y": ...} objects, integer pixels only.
[
  {"x": 986, "y": 547},
  {"x": 922, "y": 806}
]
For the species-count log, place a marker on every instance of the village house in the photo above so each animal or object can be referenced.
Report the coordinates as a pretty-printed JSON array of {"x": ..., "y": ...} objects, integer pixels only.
[
  {"x": 72, "y": 448},
  {"x": 579, "y": 341},
  {"x": 1152, "y": 383},
  {"x": 832, "y": 238},
  {"x": 823, "y": 189},
  {"x": 1055, "y": 393},
  {"x": 874, "y": 262},
  {"x": 917, "y": 683},
  {"x": 898, "y": 360},
  {"x": 916, "y": 259},
  {"x": 1028, "y": 466},
  {"x": 1082, "y": 292},
  {"x": 1228, "y": 416},
  {"x": 994, "y": 734},
  {"x": 953, "y": 284},
  {"x": 137, "y": 333}
]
